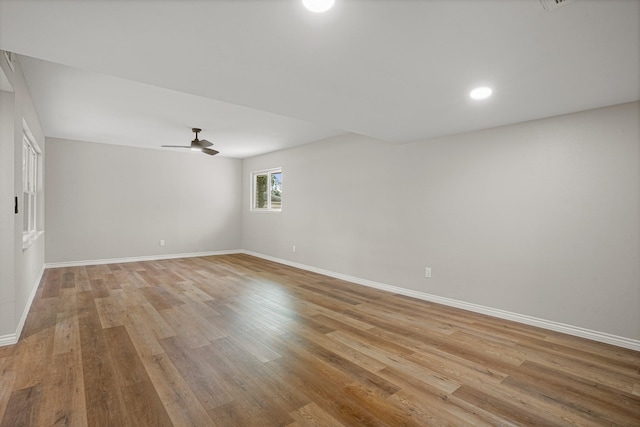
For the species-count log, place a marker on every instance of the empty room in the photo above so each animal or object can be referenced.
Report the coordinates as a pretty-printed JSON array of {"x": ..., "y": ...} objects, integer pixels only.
[{"x": 320, "y": 213}]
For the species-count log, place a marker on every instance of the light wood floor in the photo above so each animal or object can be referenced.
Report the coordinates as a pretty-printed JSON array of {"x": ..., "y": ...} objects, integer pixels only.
[{"x": 239, "y": 341}]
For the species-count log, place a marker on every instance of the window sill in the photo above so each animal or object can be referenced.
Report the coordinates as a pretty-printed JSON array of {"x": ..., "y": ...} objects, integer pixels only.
[
  {"x": 29, "y": 239},
  {"x": 266, "y": 211}
]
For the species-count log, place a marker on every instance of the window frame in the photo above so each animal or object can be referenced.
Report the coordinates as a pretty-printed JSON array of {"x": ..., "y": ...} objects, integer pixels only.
[
  {"x": 31, "y": 162},
  {"x": 253, "y": 201}
]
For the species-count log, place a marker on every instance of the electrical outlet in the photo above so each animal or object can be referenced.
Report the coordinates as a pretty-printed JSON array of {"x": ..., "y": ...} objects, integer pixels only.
[
  {"x": 293, "y": 249},
  {"x": 427, "y": 272},
  {"x": 161, "y": 242}
]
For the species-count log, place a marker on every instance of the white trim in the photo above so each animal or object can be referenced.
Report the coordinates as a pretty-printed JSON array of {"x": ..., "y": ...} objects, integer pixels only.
[
  {"x": 10, "y": 58},
  {"x": 8, "y": 339},
  {"x": 26, "y": 130},
  {"x": 494, "y": 312},
  {"x": 137, "y": 259},
  {"x": 29, "y": 239},
  {"x": 11, "y": 339},
  {"x": 34, "y": 290},
  {"x": 5, "y": 84}
]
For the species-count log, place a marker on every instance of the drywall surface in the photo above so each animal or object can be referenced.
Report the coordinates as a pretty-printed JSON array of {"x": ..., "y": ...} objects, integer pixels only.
[
  {"x": 106, "y": 201},
  {"x": 21, "y": 267},
  {"x": 540, "y": 218},
  {"x": 7, "y": 216}
]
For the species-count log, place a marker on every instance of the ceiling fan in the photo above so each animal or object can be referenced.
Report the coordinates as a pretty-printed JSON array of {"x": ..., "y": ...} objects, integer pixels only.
[{"x": 197, "y": 144}]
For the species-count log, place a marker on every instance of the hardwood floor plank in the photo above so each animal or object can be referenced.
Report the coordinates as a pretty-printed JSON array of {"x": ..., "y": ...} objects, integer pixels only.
[
  {"x": 506, "y": 409},
  {"x": 142, "y": 335},
  {"x": 362, "y": 388},
  {"x": 110, "y": 281},
  {"x": 352, "y": 370},
  {"x": 51, "y": 287},
  {"x": 327, "y": 393},
  {"x": 111, "y": 311},
  {"x": 593, "y": 372},
  {"x": 580, "y": 393},
  {"x": 312, "y": 415},
  {"x": 255, "y": 346},
  {"x": 7, "y": 377},
  {"x": 480, "y": 356},
  {"x": 252, "y": 385},
  {"x": 159, "y": 298},
  {"x": 98, "y": 287},
  {"x": 202, "y": 377},
  {"x": 521, "y": 407},
  {"x": 135, "y": 280},
  {"x": 67, "y": 334},
  {"x": 44, "y": 317},
  {"x": 64, "y": 403},
  {"x": 435, "y": 407},
  {"x": 32, "y": 359},
  {"x": 150, "y": 316},
  {"x": 348, "y": 353},
  {"x": 83, "y": 283},
  {"x": 181, "y": 404},
  {"x": 144, "y": 407},
  {"x": 104, "y": 400},
  {"x": 124, "y": 357},
  {"x": 395, "y": 361},
  {"x": 496, "y": 349},
  {"x": 181, "y": 323},
  {"x": 459, "y": 369},
  {"x": 409, "y": 338},
  {"x": 23, "y": 408}
]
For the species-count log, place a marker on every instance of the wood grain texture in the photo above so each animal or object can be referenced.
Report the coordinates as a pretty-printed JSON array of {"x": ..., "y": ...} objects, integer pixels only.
[{"x": 234, "y": 340}]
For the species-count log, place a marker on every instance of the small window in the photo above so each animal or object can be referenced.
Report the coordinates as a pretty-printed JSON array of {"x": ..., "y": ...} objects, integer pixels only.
[
  {"x": 30, "y": 160},
  {"x": 266, "y": 194}
]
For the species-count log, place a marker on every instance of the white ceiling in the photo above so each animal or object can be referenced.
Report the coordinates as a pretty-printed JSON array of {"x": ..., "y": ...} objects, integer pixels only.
[{"x": 262, "y": 75}]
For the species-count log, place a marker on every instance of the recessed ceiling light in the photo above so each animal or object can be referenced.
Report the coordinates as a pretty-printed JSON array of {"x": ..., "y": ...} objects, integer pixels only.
[
  {"x": 481, "y": 93},
  {"x": 318, "y": 6}
]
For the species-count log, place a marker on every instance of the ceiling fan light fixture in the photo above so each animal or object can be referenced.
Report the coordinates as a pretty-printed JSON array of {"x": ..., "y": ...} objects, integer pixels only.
[{"x": 318, "y": 6}]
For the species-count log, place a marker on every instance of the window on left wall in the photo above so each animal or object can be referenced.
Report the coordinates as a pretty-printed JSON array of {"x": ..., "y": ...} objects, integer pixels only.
[{"x": 30, "y": 167}]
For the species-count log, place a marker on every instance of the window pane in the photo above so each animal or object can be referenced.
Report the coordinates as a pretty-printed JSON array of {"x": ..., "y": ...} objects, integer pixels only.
[
  {"x": 261, "y": 192},
  {"x": 32, "y": 214},
  {"x": 34, "y": 171},
  {"x": 26, "y": 212},
  {"x": 25, "y": 168},
  {"x": 276, "y": 190}
]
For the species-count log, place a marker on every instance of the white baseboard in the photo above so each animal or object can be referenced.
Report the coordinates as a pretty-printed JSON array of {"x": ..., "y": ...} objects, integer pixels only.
[
  {"x": 8, "y": 339},
  {"x": 11, "y": 339},
  {"x": 502, "y": 314},
  {"x": 137, "y": 259}
]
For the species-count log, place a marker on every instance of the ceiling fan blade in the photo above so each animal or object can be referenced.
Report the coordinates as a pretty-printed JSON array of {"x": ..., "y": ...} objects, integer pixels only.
[
  {"x": 209, "y": 151},
  {"x": 196, "y": 145}
]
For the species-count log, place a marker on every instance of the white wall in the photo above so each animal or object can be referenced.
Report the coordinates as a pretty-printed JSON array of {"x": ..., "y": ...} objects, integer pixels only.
[
  {"x": 21, "y": 268},
  {"x": 107, "y": 201},
  {"x": 7, "y": 220},
  {"x": 539, "y": 218}
]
